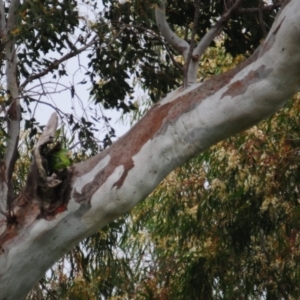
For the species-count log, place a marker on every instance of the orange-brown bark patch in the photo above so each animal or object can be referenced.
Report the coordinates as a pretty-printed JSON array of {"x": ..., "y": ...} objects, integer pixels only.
[
  {"x": 13, "y": 111},
  {"x": 239, "y": 87}
]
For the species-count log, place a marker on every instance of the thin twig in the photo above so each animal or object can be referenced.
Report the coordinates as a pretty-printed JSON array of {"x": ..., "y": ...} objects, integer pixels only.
[
  {"x": 48, "y": 291},
  {"x": 57, "y": 62},
  {"x": 256, "y": 9}
]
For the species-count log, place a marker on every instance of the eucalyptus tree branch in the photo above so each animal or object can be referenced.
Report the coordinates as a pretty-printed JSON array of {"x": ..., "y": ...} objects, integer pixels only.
[
  {"x": 214, "y": 31},
  {"x": 49, "y": 131},
  {"x": 38, "y": 176},
  {"x": 57, "y": 62},
  {"x": 261, "y": 18},
  {"x": 3, "y": 30},
  {"x": 160, "y": 15},
  {"x": 190, "y": 54},
  {"x": 191, "y": 48},
  {"x": 14, "y": 111},
  {"x": 3, "y": 185}
]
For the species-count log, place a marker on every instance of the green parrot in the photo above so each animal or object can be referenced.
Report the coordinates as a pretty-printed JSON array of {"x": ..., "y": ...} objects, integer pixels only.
[{"x": 59, "y": 160}]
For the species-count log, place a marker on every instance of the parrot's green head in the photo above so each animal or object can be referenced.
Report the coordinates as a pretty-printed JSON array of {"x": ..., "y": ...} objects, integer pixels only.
[{"x": 59, "y": 160}]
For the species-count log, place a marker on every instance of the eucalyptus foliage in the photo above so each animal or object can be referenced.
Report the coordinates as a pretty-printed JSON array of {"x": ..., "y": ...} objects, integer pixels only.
[{"x": 225, "y": 226}]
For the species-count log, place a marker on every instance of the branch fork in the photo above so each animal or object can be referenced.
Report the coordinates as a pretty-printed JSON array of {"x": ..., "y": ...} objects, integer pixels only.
[{"x": 191, "y": 54}]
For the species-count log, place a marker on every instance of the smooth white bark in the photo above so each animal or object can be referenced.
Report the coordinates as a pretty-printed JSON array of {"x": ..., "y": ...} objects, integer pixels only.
[
  {"x": 3, "y": 184},
  {"x": 178, "y": 43},
  {"x": 13, "y": 114},
  {"x": 175, "y": 129}
]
